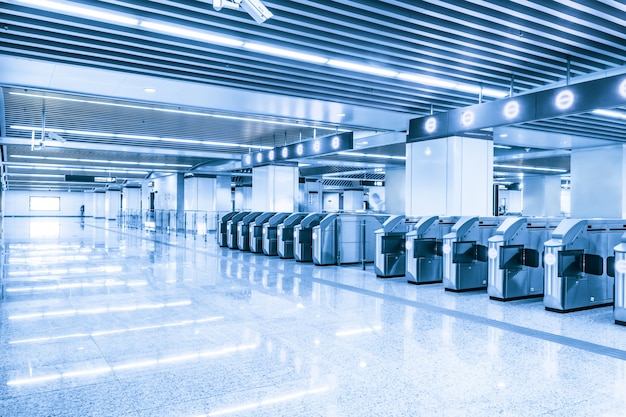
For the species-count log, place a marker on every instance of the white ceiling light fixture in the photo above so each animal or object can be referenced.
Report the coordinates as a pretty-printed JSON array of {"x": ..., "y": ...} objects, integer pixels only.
[
  {"x": 190, "y": 33},
  {"x": 286, "y": 53},
  {"x": 353, "y": 66},
  {"x": 83, "y": 11}
]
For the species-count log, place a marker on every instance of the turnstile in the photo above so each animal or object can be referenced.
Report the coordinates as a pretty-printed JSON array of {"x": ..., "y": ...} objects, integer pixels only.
[
  {"x": 618, "y": 267},
  {"x": 270, "y": 235},
  {"x": 575, "y": 275},
  {"x": 243, "y": 236},
  {"x": 222, "y": 233},
  {"x": 231, "y": 229},
  {"x": 390, "y": 252},
  {"x": 256, "y": 231},
  {"x": 424, "y": 261},
  {"x": 515, "y": 251},
  {"x": 346, "y": 238},
  {"x": 303, "y": 237},
  {"x": 285, "y": 235},
  {"x": 465, "y": 253}
]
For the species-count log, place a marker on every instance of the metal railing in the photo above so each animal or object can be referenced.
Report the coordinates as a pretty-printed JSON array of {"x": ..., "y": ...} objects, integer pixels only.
[{"x": 188, "y": 223}]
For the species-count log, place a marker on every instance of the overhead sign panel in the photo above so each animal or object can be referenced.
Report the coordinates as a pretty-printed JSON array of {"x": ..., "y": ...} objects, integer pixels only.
[
  {"x": 87, "y": 178},
  {"x": 313, "y": 147},
  {"x": 556, "y": 102}
]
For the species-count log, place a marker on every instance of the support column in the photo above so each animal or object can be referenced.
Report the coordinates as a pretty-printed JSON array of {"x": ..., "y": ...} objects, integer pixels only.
[
  {"x": 598, "y": 184},
  {"x": 449, "y": 176},
  {"x": 274, "y": 188},
  {"x": 542, "y": 196},
  {"x": 180, "y": 201},
  {"x": 132, "y": 198},
  {"x": 223, "y": 195},
  {"x": 99, "y": 204},
  {"x": 113, "y": 202}
]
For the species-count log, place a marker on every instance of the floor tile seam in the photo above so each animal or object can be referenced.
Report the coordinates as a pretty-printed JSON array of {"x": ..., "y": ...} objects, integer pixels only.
[{"x": 525, "y": 331}]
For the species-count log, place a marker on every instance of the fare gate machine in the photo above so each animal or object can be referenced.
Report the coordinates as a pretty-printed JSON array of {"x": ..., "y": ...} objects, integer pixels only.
[
  {"x": 465, "y": 253},
  {"x": 222, "y": 233},
  {"x": 575, "y": 275},
  {"x": 303, "y": 237},
  {"x": 256, "y": 231},
  {"x": 346, "y": 238},
  {"x": 424, "y": 261},
  {"x": 231, "y": 228},
  {"x": 619, "y": 268},
  {"x": 270, "y": 233},
  {"x": 515, "y": 252},
  {"x": 285, "y": 235},
  {"x": 243, "y": 236},
  {"x": 390, "y": 252}
]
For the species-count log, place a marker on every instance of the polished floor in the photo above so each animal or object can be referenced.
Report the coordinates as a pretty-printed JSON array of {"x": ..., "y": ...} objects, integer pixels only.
[{"x": 101, "y": 321}]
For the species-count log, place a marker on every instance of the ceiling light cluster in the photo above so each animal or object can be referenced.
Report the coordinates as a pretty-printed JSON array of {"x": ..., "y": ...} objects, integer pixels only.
[{"x": 260, "y": 13}]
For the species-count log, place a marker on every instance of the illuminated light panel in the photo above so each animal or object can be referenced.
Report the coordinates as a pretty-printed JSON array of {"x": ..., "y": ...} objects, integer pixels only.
[
  {"x": 353, "y": 66},
  {"x": 564, "y": 100},
  {"x": 144, "y": 363},
  {"x": 299, "y": 149},
  {"x": 268, "y": 401},
  {"x": 284, "y": 153},
  {"x": 82, "y": 11},
  {"x": 622, "y": 88},
  {"x": 610, "y": 113},
  {"x": 76, "y": 312},
  {"x": 271, "y": 155},
  {"x": 529, "y": 168},
  {"x": 511, "y": 109},
  {"x": 371, "y": 155},
  {"x": 259, "y": 157},
  {"x": 189, "y": 33},
  {"x": 286, "y": 53},
  {"x": 317, "y": 146},
  {"x": 467, "y": 118},
  {"x": 430, "y": 125}
]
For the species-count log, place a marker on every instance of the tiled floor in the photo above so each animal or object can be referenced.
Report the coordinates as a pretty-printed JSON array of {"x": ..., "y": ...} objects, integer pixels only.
[{"x": 98, "y": 321}]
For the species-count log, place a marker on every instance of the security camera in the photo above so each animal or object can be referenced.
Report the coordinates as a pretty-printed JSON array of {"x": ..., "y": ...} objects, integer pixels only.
[
  {"x": 55, "y": 136},
  {"x": 256, "y": 10},
  {"x": 218, "y": 4}
]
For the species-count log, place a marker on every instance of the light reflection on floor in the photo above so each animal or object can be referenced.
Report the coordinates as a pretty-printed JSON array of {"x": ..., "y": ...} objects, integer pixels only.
[{"x": 99, "y": 321}]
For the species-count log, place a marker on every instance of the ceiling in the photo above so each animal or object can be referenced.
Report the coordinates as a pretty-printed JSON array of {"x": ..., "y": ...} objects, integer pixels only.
[{"x": 82, "y": 69}]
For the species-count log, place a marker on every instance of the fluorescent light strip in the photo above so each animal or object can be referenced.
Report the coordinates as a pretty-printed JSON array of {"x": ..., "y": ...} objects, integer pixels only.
[
  {"x": 137, "y": 137},
  {"x": 610, "y": 113},
  {"x": 271, "y": 50},
  {"x": 53, "y": 167},
  {"x": 529, "y": 168},
  {"x": 189, "y": 33},
  {"x": 98, "y": 310},
  {"x": 268, "y": 401},
  {"x": 54, "y": 158},
  {"x": 502, "y": 147},
  {"x": 84, "y": 11},
  {"x": 352, "y": 66},
  {"x": 131, "y": 365},
  {"x": 116, "y": 331},
  {"x": 371, "y": 155}
]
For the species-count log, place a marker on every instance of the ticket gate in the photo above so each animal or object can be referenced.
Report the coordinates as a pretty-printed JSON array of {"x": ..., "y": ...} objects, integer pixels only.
[
  {"x": 464, "y": 250},
  {"x": 222, "y": 234},
  {"x": 390, "y": 253},
  {"x": 243, "y": 236},
  {"x": 285, "y": 235},
  {"x": 618, "y": 267},
  {"x": 424, "y": 244},
  {"x": 303, "y": 237},
  {"x": 256, "y": 231},
  {"x": 575, "y": 275},
  {"x": 231, "y": 228},
  {"x": 515, "y": 251},
  {"x": 346, "y": 238},
  {"x": 270, "y": 233}
]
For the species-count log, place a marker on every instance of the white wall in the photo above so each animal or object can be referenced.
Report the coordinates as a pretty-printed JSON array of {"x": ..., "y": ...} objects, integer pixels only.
[
  {"x": 166, "y": 192},
  {"x": 395, "y": 190},
  {"x": 17, "y": 203}
]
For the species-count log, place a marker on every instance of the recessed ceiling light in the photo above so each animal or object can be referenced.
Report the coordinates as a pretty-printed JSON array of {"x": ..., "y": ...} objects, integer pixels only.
[{"x": 149, "y": 90}]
